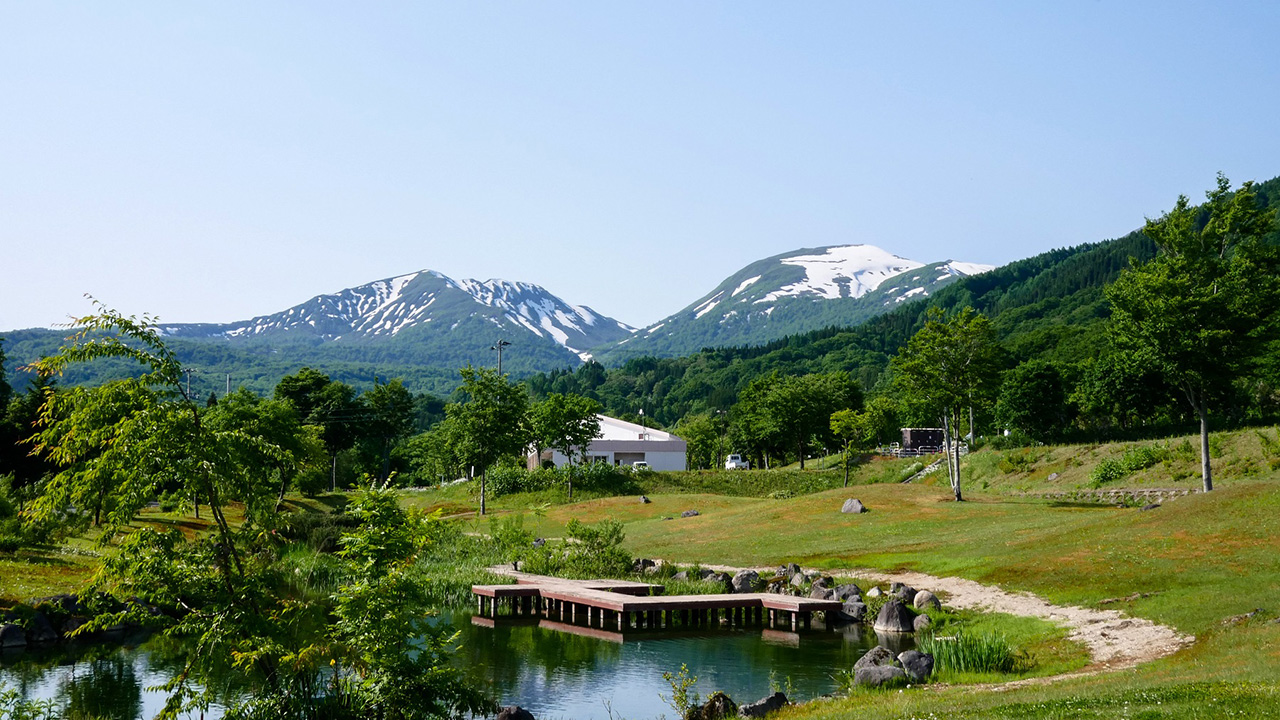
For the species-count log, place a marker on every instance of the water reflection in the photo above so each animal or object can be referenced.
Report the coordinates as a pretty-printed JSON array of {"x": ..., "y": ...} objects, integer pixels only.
[{"x": 556, "y": 669}]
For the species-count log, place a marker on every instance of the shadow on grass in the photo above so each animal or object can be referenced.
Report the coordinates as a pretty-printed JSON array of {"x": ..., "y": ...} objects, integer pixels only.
[{"x": 1084, "y": 505}]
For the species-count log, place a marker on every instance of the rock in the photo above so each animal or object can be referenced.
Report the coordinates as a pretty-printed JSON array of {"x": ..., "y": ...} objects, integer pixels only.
[
  {"x": 875, "y": 592},
  {"x": 704, "y": 573},
  {"x": 917, "y": 665},
  {"x": 539, "y": 543},
  {"x": 1152, "y": 506},
  {"x": 640, "y": 565},
  {"x": 925, "y": 599},
  {"x": 922, "y": 622},
  {"x": 644, "y": 500},
  {"x": 847, "y": 591},
  {"x": 690, "y": 513},
  {"x": 789, "y": 569},
  {"x": 746, "y": 581},
  {"x": 721, "y": 579},
  {"x": 894, "y": 617},
  {"x": 853, "y": 611},
  {"x": 12, "y": 636},
  {"x": 40, "y": 631},
  {"x": 681, "y": 576},
  {"x": 822, "y": 581},
  {"x": 717, "y": 707},
  {"x": 877, "y": 655},
  {"x": 798, "y": 580},
  {"x": 64, "y": 604},
  {"x": 764, "y": 706},
  {"x": 1053, "y": 476},
  {"x": 903, "y": 592},
  {"x": 878, "y": 676},
  {"x": 820, "y": 593},
  {"x": 514, "y": 712},
  {"x": 853, "y": 506},
  {"x": 71, "y": 624}
]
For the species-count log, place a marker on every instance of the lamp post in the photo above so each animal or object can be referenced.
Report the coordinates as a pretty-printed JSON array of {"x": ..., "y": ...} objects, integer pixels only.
[
  {"x": 720, "y": 445},
  {"x": 643, "y": 430},
  {"x": 498, "y": 346}
]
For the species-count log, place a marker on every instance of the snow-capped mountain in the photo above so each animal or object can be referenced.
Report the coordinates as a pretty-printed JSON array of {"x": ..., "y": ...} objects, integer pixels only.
[
  {"x": 423, "y": 304},
  {"x": 794, "y": 292}
]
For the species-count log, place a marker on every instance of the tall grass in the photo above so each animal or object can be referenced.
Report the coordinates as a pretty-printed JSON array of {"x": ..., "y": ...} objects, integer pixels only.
[{"x": 965, "y": 653}]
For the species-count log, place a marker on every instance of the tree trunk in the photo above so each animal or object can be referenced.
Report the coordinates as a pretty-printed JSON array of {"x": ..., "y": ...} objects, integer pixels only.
[
  {"x": 800, "y": 447},
  {"x": 482, "y": 479},
  {"x": 973, "y": 433},
  {"x": 1206, "y": 472},
  {"x": 846, "y": 464},
  {"x": 333, "y": 476}
]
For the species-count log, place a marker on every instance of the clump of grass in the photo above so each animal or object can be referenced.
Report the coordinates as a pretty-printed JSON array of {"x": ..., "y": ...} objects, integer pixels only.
[{"x": 965, "y": 653}]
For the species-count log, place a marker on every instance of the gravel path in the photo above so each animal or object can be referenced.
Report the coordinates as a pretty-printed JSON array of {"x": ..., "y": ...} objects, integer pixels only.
[{"x": 1115, "y": 641}]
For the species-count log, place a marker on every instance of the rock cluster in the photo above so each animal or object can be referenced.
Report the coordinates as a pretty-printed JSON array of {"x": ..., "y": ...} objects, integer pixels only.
[
  {"x": 53, "y": 619},
  {"x": 879, "y": 667},
  {"x": 720, "y": 706}
]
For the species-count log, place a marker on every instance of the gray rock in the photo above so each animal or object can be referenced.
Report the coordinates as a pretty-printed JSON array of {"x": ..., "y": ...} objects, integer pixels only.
[
  {"x": 894, "y": 617},
  {"x": 539, "y": 543},
  {"x": 875, "y": 592},
  {"x": 878, "y": 676},
  {"x": 822, "y": 581},
  {"x": 1052, "y": 477},
  {"x": 776, "y": 588},
  {"x": 853, "y": 611},
  {"x": 789, "y": 569},
  {"x": 682, "y": 575},
  {"x": 1152, "y": 506},
  {"x": 721, "y": 579},
  {"x": 40, "y": 631},
  {"x": 12, "y": 636},
  {"x": 922, "y": 622},
  {"x": 853, "y": 506},
  {"x": 746, "y": 581},
  {"x": 514, "y": 712},
  {"x": 917, "y": 665},
  {"x": 798, "y": 580},
  {"x": 764, "y": 706},
  {"x": 878, "y": 655},
  {"x": 690, "y": 513},
  {"x": 820, "y": 593},
  {"x": 847, "y": 591},
  {"x": 640, "y": 565},
  {"x": 717, "y": 707},
  {"x": 644, "y": 500},
  {"x": 903, "y": 592},
  {"x": 925, "y": 599}
]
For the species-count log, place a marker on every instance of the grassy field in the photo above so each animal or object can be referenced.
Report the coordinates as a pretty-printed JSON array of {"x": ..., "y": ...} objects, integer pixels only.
[{"x": 1197, "y": 563}]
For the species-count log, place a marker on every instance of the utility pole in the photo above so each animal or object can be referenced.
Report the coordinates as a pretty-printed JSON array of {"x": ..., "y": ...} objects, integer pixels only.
[
  {"x": 498, "y": 346},
  {"x": 720, "y": 446},
  {"x": 188, "y": 371},
  {"x": 228, "y": 383}
]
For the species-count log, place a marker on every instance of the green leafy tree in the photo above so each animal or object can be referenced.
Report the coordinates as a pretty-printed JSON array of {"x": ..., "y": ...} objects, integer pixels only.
[
  {"x": 390, "y": 409},
  {"x": 795, "y": 411},
  {"x": 861, "y": 430},
  {"x": 948, "y": 366},
  {"x": 1034, "y": 399},
  {"x": 701, "y": 433},
  {"x": 490, "y": 423},
  {"x": 567, "y": 423},
  {"x": 1204, "y": 308}
]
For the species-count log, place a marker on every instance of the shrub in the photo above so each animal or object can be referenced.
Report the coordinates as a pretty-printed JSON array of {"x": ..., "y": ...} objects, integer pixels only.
[
  {"x": 977, "y": 653},
  {"x": 1107, "y": 471},
  {"x": 10, "y": 543}
]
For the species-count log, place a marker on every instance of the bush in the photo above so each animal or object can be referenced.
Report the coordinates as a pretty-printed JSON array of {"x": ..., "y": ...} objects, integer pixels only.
[
  {"x": 978, "y": 653},
  {"x": 1107, "y": 471},
  {"x": 10, "y": 543}
]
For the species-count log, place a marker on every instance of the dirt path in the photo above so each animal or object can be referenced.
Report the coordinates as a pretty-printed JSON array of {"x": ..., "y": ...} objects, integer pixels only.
[{"x": 1115, "y": 641}]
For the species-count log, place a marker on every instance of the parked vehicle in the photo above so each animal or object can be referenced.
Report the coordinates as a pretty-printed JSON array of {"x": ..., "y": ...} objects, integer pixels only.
[
  {"x": 639, "y": 465},
  {"x": 735, "y": 462}
]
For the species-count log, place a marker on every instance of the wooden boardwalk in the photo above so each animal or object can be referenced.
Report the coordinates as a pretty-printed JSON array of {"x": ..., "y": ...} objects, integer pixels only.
[{"x": 625, "y": 605}]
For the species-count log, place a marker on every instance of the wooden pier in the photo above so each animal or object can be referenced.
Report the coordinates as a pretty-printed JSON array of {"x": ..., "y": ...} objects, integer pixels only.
[{"x": 620, "y": 605}]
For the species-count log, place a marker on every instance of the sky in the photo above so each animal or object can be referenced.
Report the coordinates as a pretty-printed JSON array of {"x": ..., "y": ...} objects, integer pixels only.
[{"x": 214, "y": 161}]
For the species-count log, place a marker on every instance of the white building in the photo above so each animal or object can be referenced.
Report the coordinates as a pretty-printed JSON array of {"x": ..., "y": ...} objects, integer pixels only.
[{"x": 623, "y": 443}]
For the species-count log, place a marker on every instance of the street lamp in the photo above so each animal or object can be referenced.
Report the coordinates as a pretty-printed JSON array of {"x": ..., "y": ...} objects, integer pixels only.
[{"x": 498, "y": 346}]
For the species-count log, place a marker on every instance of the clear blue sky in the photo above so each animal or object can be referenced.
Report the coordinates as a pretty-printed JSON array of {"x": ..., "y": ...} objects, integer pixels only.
[{"x": 208, "y": 162}]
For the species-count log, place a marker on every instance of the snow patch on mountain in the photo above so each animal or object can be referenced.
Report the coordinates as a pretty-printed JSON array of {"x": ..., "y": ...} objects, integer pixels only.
[{"x": 843, "y": 271}]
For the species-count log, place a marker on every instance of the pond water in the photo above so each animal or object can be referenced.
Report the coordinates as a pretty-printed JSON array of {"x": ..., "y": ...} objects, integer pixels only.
[{"x": 554, "y": 669}]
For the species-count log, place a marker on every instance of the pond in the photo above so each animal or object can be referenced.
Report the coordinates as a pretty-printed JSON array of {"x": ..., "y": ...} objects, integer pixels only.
[{"x": 556, "y": 670}]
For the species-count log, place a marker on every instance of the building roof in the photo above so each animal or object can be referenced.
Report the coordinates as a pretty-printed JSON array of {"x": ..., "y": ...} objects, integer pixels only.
[{"x": 615, "y": 429}]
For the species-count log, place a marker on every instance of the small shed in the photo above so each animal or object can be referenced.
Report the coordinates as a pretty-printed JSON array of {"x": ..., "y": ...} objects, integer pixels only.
[{"x": 922, "y": 438}]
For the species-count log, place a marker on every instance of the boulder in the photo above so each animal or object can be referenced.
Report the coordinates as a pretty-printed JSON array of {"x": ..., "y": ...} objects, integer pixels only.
[
  {"x": 894, "y": 617},
  {"x": 875, "y": 592},
  {"x": 717, "y": 707},
  {"x": 847, "y": 591},
  {"x": 922, "y": 622},
  {"x": 539, "y": 542},
  {"x": 514, "y": 712},
  {"x": 12, "y": 636},
  {"x": 878, "y": 676},
  {"x": 40, "y": 631},
  {"x": 822, "y": 581},
  {"x": 853, "y": 506},
  {"x": 818, "y": 592},
  {"x": 721, "y": 579},
  {"x": 903, "y": 592},
  {"x": 746, "y": 581},
  {"x": 1152, "y": 506},
  {"x": 853, "y": 611},
  {"x": 64, "y": 604},
  {"x": 681, "y": 576},
  {"x": 925, "y": 600},
  {"x": 788, "y": 570},
  {"x": 764, "y": 706},
  {"x": 640, "y": 565},
  {"x": 690, "y": 513},
  {"x": 798, "y": 580},
  {"x": 878, "y": 655},
  {"x": 1052, "y": 477},
  {"x": 776, "y": 588},
  {"x": 917, "y": 665},
  {"x": 644, "y": 500}
]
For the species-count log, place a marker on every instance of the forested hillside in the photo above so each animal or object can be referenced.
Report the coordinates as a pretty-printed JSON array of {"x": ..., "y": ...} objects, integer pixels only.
[{"x": 1047, "y": 308}]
